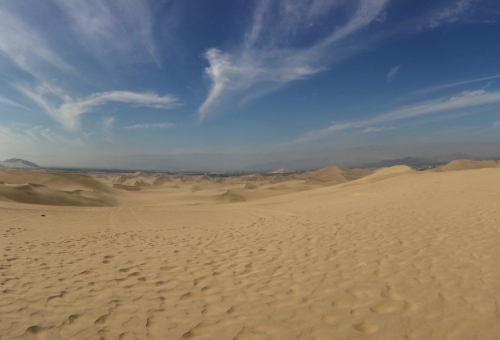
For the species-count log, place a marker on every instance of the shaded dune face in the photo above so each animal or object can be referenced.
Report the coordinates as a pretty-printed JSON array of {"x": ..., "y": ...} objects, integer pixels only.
[{"x": 396, "y": 254}]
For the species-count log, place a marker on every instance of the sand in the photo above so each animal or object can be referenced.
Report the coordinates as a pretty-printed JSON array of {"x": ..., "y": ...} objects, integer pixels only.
[{"x": 394, "y": 254}]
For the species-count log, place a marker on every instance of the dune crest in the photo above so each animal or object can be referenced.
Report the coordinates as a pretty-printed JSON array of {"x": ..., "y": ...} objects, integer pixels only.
[
  {"x": 334, "y": 174},
  {"x": 465, "y": 164},
  {"x": 39, "y": 194},
  {"x": 54, "y": 189}
]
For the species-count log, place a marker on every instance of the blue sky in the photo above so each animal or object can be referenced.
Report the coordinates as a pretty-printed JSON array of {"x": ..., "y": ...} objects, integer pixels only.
[{"x": 228, "y": 84}]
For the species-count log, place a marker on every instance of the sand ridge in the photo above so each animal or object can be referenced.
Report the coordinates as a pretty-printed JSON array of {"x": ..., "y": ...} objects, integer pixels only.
[
  {"x": 398, "y": 254},
  {"x": 98, "y": 189},
  {"x": 464, "y": 164},
  {"x": 36, "y": 187}
]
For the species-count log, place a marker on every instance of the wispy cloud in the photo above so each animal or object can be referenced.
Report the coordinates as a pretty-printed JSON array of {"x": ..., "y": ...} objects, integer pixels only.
[
  {"x": 108, "y": 122},
  {"x": 9, "y": 102},
  {"x": 122, "y": 28},
  {"x": 17, "y": 140},
  {"x": 392, "y": 73},
  {"x": 25, "y": 48},
  {"x": 150, "y": 126},
  {"x": 459, "y": 83},
  {"x": 496, "y": 124},
  {"x": 66, "y": 110},
  {"x": 450, "y": 14},
  {"x": 462, "y": 11},
  {"x": 13, "y": 141},
  {"x": 265, "y": 61},
  {"x": 463, "y": 100},
  {"x": 378, "y": 129}
]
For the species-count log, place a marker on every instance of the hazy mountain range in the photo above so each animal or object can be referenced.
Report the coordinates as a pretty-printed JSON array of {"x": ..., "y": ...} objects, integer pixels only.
[
  {"x": 182, "y": 163},
  {"x": 319, "y": 163},
  {"x": 418, "y": 161},
  {"x": 17, "y": 163}
]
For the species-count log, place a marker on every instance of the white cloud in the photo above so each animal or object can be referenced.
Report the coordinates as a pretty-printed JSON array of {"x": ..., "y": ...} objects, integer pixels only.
[
  {"x": 149, "y": 126},
  {"x": 24, "y": 47},
  {"x": 393, "y": 72},
  {"x": 108, "y": 122},
  {"x": 450, "y": 85},
  {"x": 265, "y": 62},
  {"x": 67, "y": 111},
  {"x": 124, "y": 28},
  {"x": 13, "y": 141},
  {"x": 451, "y": 13},
  {"x": 463, "y": 100},
  {"x": 234, "y": 75},
  {"x": 9, "y": 102},
  {"x": 57, "y": 139},
  {"x": 460, "y": 101},
  {"x": 17, "y": 140}
]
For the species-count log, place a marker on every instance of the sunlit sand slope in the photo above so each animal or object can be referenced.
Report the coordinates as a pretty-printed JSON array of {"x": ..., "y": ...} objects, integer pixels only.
[
  {"x": 464, "y": 164},
  {"x": 60, "y": 189},
  {"x": 399, "y": 254}
]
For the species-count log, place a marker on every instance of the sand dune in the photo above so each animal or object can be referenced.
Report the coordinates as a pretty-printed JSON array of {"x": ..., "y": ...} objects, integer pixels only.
[
  {"x": 54, "y": 189},
  {"x": 464, "y": 164},
  {"x": 58, "y": 181},
  {"x": 126, "y": 187},
  {"x": 385, "y": 173},
  {"x": 161, "y": 180},
  {"x": 232, "y": 197},
  {"x": 204, "y": 189},
  {"x": 334, "y": 174},
  {"x": 396, "y": 254},
  {"x": 38, "y": 194}
]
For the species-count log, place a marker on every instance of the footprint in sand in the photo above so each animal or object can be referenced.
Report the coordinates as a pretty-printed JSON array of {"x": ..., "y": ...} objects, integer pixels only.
[
  {"x": 365, "y": 327},
  {"x": 384, "y": 307}
]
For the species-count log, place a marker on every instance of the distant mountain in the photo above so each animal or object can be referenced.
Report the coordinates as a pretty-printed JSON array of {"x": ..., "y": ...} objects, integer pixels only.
[
  {"x": 410, "y": 161},
  {"x": 18, "y": 164},
  {"x": 295, "y": 165},
  {"x": 452, "y": 157}
]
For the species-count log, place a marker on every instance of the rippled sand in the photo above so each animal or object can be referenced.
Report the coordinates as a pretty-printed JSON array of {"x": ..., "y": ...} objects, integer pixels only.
[{"x": 397, "y": 254}]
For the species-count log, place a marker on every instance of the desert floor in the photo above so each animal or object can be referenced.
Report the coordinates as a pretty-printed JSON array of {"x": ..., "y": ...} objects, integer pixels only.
[{"x": 393, "y": 254}]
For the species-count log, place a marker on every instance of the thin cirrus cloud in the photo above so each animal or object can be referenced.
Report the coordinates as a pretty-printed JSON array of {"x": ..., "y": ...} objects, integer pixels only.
[
  {"x": 67, "y": 111},
  {"x": 378, "y": 129},
  {"x": 122, "y": 28},
  {"x": 266, "y": 60},
  {"x": 392, "y": 73},
  {"x": 463, "y": 100},
  {"x": 9, "y": 102},
  {"x": 451, "y": 13},
  {"x": 149, "y": 126},
  {"x": 38, "y": 138},
  {"x": 22, "y": 46},
  {"x": 263, "y": 63},
  {"x": 459, "y": 83}
]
